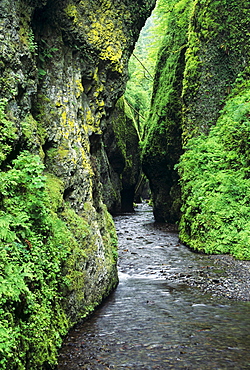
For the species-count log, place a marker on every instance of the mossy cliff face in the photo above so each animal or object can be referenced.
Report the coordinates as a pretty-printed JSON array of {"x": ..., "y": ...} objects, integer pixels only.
[
  {"x": 163, "y": 144},
  {"x": 203, "y": 71},
  {"x": 218, "y": 51},
  {"x": 216, "y": 123},
  {"x": 63, "y": 67}
]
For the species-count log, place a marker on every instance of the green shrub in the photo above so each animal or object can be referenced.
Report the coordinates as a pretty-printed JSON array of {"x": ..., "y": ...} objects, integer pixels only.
[
  {"x": 32, "y": 250},
  {"x": 215, "y": 183},
  {"x": 44, "y": 245}
]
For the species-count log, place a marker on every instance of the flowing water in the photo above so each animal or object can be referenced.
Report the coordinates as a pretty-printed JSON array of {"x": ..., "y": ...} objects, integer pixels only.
[{"x": 154, "y": 322}]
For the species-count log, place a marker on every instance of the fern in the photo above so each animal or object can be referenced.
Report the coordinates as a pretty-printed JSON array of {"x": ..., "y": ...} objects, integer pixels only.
[{"x": 216, "y": 184}]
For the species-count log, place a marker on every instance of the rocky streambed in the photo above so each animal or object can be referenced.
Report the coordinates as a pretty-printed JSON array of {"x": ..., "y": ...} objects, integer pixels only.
[
  {"x": 173, "y": 309},
  {"x": 226, "y": 277}
]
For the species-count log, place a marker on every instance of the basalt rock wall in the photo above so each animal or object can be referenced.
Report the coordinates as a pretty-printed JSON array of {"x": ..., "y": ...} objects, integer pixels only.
[
  {"x": 163, "y": 144},
  {"x": 200, "y": 106},
  {"x": 63, "y": 66},
  {"x": 121, "y": 146}
]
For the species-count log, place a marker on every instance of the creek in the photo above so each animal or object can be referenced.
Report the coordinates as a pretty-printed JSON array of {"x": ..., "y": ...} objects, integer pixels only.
[{"x": 154, "y": 320}]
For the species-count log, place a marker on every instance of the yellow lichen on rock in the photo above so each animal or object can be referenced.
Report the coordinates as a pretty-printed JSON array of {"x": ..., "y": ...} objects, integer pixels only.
[
  {"x": 71, "y": 11},
  {"x": 105, "y": 32},
  {"x": 108, "y": 38},
  {"x": 86, "y": 162},
  {"x": 79, "y": 88}
]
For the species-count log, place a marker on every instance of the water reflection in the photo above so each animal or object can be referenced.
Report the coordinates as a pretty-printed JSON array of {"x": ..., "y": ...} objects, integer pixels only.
[{"x": 151, "y": 322}]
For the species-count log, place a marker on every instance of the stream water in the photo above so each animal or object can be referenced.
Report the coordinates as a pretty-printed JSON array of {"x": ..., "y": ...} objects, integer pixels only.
[{"x": 155, "y": 322}]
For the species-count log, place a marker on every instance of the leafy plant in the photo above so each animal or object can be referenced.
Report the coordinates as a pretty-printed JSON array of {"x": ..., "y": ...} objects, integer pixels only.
[
  {"x": 32, "y": 251},
  {"x": 32, "y": 43},
  {"x": 42, "y": 253},
  {"x": 46, "y": 52},
  {"x": 215, "y": 182}
]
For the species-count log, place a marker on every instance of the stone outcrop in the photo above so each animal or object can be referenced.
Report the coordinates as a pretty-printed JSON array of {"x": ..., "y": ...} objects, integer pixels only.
[{"x": 63, "y": 66}]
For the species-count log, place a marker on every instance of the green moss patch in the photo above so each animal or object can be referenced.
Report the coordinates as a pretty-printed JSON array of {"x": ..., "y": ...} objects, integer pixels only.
[{"x": 216, "y": 185}]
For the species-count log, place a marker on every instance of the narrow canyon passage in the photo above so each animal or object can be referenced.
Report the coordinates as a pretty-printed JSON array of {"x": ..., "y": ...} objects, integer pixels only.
[{"x": 154, "y": 320}]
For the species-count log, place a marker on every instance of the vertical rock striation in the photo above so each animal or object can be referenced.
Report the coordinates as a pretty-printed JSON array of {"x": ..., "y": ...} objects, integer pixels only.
[{"x": 63, "y": 66}]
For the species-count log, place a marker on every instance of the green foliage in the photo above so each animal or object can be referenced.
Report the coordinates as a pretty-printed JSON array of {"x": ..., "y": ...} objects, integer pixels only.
[
  {"x": 46, "y": 52},
  {"x": 142, "y": 65},
  {"x": 32, "y": 320},
  {"x": 215, "y": 182},
  {"x": 35, "y": 247},
  {"x": 41, "y": 72},
  {"x": 205, "y": 48},
  {"x": 139, "y": 86},
  {"x": 218, "y": 50},
  {"x": 44, "y": 245},
  {"x": 159, "y": 26},
  {"x": 32, "y": 43},
  {"x": 163, "y": 145}
]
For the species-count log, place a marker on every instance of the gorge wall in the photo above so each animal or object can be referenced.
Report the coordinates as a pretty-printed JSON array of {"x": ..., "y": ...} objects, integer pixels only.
[
  {"x": 67, "y": 152},
  {"x": 200, "y": 106}
]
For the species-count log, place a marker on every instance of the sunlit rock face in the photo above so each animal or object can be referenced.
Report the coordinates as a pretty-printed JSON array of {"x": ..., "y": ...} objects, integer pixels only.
[{"x": 63, "y": 67}]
